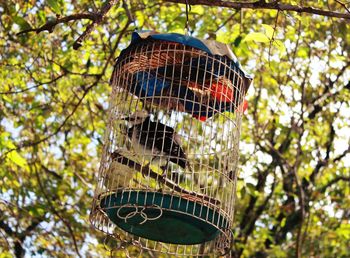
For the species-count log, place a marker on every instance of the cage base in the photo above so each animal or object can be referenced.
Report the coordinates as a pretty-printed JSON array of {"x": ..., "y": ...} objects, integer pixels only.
[{"x": 163, "y": 217}]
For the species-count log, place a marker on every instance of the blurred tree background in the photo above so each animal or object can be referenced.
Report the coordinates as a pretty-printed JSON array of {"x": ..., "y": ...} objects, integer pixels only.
[{"x": 293, "y": 195}]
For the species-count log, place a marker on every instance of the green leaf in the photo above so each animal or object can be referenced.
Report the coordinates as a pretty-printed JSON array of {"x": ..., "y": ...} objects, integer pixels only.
[
  {"x": 281, "y": 47},
  {"x": 257, "y": 37},
  {"x": 251, "y": 189},
  {"x": 283, "y": 222},
  {"x": 17, "y": 159},
  {"x": 7, "y": 99},
  {"x": 8, "y": 144},
  {"x": 23, "y": 24},
  {"x": 269, "y": 30},
  {"x": 140, "y": 17},
  {"x": 42, "y": 16},
  {"x": 237, "y": 41},
  {"x": 198, "y": 9},
  {"x": 54, "y": 5}
]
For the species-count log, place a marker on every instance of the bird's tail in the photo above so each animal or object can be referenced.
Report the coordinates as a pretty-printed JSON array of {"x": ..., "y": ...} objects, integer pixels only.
[
  {"x": 181, "y": 161},
  {"x": 185, "y": 164}
]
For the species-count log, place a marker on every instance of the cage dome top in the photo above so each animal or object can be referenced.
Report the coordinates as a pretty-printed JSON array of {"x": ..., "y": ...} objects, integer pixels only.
[
  {"x": 211, "y": 47},
  {"x": 176, "y": 72}
]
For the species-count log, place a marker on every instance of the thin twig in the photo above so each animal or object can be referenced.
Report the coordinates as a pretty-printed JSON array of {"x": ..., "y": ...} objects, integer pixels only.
[
  {"x": 227, "y": 20},
  {"x": 33, "y": 87},
  {"x": 272, "y": 39},
  {"x": 54, "y": 211},
  {"x": 301, "y": 194},
  {"x": 33, "y": 143},
  {"x": 50, "y": 25},
  {"x": 95, "y": 17},
  {"x": 334, "y": 181},
  {"x": 343, "y": 4},
  {"x": 100, "y": 15},
  {"x": 86, "y": 90}
]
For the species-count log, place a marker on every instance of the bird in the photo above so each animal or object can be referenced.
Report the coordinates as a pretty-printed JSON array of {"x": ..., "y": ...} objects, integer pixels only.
[{"x": 155, "y": 140}]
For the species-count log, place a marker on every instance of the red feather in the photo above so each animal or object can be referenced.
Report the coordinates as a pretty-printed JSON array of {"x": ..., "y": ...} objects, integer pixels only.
[
  {"x": 200, "y": 118},
  {"x": 222, "y": 91}
]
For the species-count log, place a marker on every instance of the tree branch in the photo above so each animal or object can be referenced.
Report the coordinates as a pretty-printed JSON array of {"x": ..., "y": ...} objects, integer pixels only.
[
  {"x": 301, "y": 195},
  {"x": 318, "y": 102},
  {"x": 334, "y": 181},
  {"x": 323, "y": 162},
  {"x": 96, "y": 18},
  {"x": 251, "y": 215},
  {"x": 51, "y": 172},
  {"x": 30, "y": 228},
  {"x": 86, "y": 90},
  {"x": 54, "y": 211},
  {"x": 18, "y": 249},
  {"x": 33, "y": 143},
  {"x": 345, "y": 152},
  {"x": 90, "y": 27},
  {"x": 33, "y": 87},
  {"x": 50, "y": 25},
  {"x": 6, "y": 228},
  {"x": 274, "y": 5},
  {"x": 344, "y": 5}
]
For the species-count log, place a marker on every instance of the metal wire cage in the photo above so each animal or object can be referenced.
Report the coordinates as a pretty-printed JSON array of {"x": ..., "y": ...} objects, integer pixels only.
[{"x": 168, "y": 171}]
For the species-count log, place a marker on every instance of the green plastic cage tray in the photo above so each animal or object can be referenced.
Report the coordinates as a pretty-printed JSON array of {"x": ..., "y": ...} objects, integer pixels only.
[{"x": 163, "y": 217}]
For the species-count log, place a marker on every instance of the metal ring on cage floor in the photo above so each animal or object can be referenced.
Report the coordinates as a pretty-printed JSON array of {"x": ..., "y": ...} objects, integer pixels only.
[
  {"x": 134, "y": 213},
  {"x": 127, "y": 216},
  {"x": 141, "y": 213},
  {"x": 153, "y": 206}
]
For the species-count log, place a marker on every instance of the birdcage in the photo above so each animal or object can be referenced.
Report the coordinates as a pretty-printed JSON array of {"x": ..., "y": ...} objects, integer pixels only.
[{"x": 168, "y": 171}]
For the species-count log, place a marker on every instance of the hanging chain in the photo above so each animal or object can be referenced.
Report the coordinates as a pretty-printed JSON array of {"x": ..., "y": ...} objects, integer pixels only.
[{"x": 188, "y": 8}]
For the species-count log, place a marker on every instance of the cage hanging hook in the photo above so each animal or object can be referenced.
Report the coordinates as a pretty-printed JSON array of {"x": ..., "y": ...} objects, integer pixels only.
[{"x": 188, "y": 8}]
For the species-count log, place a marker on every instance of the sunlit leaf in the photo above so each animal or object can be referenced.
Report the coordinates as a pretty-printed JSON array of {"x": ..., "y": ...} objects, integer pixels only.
[
  {"x": 280, "y": 46},
  {"x": 16, "y": 158},
  {"x": 21, "y": 22},
  {"x": 257, "y": 37},
  {"x": 54, "y": 5},
  {"x": 269, "y": 30}
]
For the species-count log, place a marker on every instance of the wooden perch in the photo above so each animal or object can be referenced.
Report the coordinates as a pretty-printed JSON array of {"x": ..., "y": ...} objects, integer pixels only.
[{"x": 147, "y": 171}]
